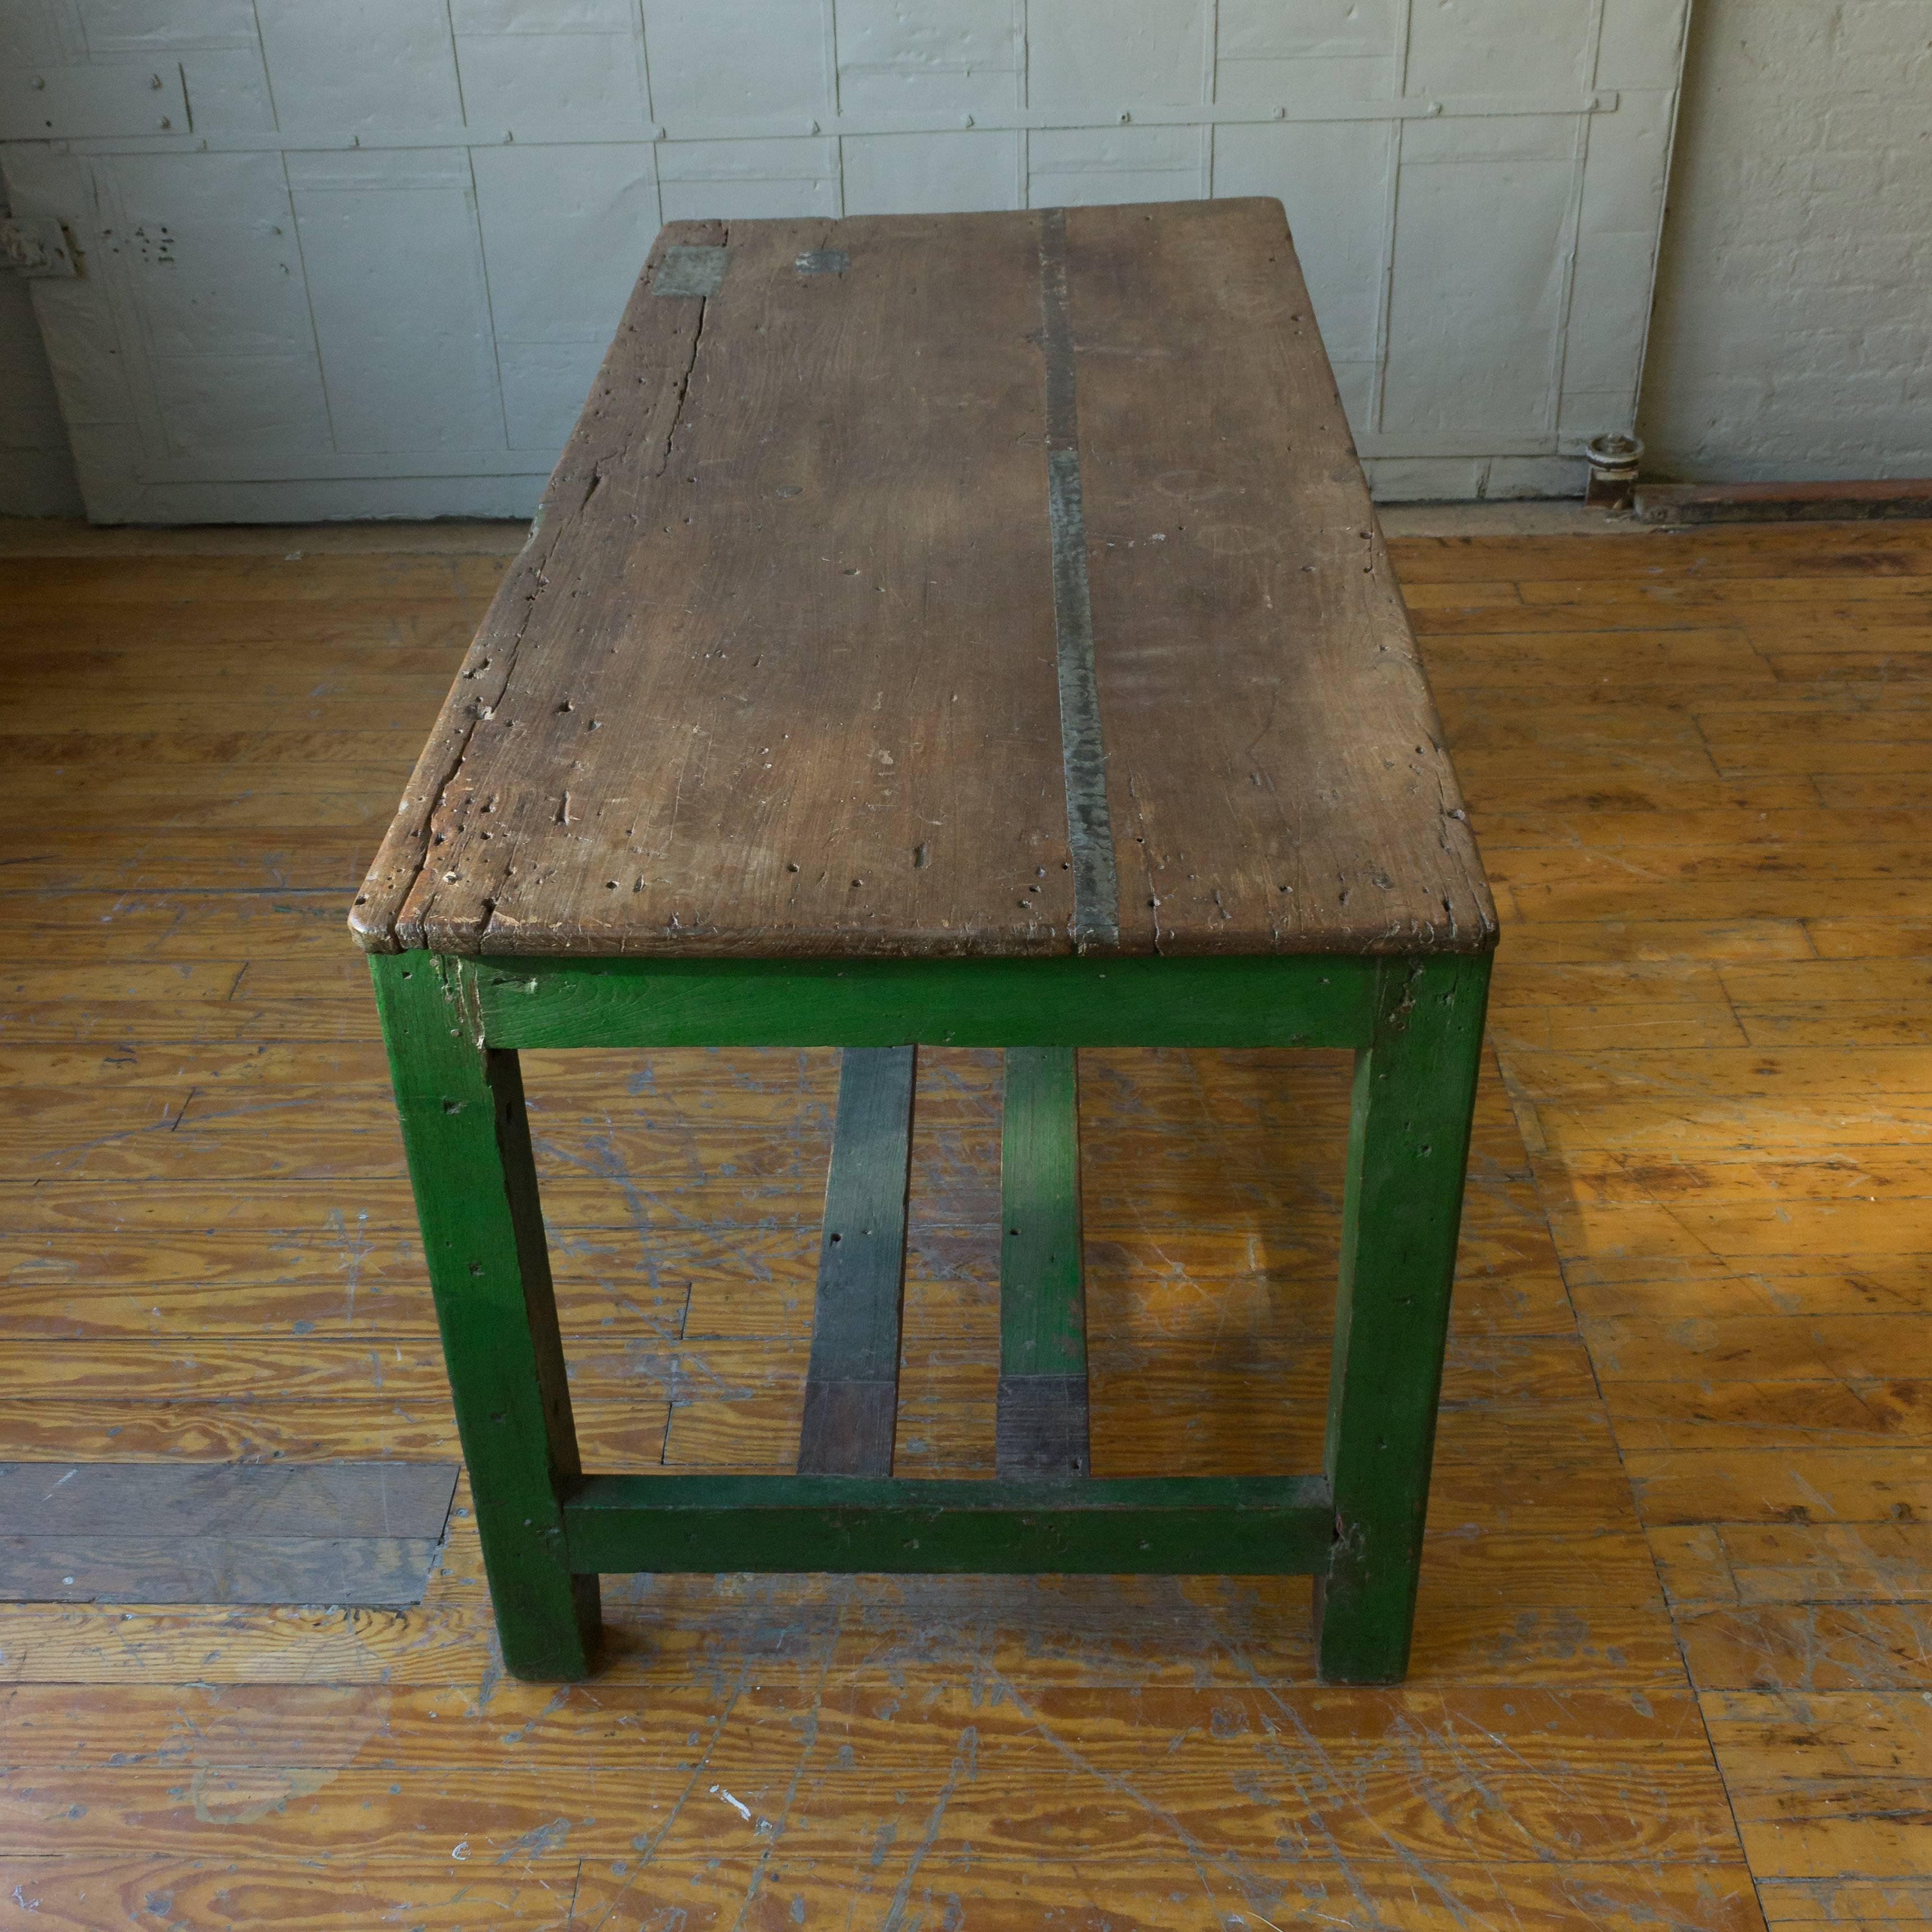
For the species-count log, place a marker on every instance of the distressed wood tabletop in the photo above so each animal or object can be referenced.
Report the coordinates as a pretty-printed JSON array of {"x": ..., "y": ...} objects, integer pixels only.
[{"x": 992, "y": 584}]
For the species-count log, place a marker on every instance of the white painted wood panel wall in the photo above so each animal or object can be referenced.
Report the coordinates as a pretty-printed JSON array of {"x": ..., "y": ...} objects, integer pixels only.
[{"x": 360, "y": 257}]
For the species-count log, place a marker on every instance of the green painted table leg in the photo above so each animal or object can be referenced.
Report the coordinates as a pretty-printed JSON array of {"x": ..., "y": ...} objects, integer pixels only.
[
  {"x": 1408, "y": 1142},
  {"x": 467, "y": 1135}
]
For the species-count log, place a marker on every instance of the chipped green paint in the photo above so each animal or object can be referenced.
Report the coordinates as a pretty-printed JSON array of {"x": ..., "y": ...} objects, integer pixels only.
[
  {"x": 1185, "y": 1526},
  {"x": 1409, "y": 1145},
  {"x": 452, "y": 1027},
  {"x": 1294, "y": 1000},
  {"x": 466, "y": 1136}
]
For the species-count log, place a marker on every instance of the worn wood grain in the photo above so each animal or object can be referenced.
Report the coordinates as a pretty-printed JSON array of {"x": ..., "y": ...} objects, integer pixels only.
[
  {"x": 1737, "y": 1184},
  {"x": 785, "y": 672},
  {"x": 1537, "y": 1578},
  {"x": 380, "y": 1572},
  {"x": 1083, "y": 1630},
  {"x": 149, "y": 1532},
  {"x": 80, "y": 1894},
  {"x": 1041, "y": 1425},
  {"x": 1322, "y": 802},
  {"x": 1795, "y": 1562},
  {"x": 852, "y": 1382},
  {"x": 1862, "y": 1644},
  {"x": 1856, "y": 1905},
  {"x": 1167, "y": 1893},
  {"x": 106, "y": 1499},
  {"x": 1502, "y": 1786}
]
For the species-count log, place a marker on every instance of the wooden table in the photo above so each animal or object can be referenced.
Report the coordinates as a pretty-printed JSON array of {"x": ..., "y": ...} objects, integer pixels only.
[{"x": 970, "y": 629}]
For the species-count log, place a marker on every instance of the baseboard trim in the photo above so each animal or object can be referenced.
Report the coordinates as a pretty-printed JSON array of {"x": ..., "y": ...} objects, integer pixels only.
[{"x": 1783, "y": 502}]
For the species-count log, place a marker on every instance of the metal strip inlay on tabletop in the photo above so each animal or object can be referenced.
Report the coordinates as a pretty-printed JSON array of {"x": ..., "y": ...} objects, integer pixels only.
[{"x": 1089, "y": 831}]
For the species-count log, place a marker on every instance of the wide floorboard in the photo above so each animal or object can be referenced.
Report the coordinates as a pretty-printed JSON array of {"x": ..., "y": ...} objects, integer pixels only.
[{"x": 1671, "y": 1665}]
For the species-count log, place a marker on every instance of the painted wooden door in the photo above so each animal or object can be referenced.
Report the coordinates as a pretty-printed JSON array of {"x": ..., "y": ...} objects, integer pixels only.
[{"x": 361, "y": 258}]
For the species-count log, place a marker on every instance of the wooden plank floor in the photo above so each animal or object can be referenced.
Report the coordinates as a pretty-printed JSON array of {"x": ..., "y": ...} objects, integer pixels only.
[{"x": 1672, "y": 1659}]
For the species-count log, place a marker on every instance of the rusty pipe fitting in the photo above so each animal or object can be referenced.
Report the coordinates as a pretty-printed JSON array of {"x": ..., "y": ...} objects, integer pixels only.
[{"x": 1613, "y": 461}]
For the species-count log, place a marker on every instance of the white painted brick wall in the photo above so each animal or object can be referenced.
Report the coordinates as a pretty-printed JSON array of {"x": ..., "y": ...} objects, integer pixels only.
[
  {"x": 1793, "y": 336},
  {"x": 359, "y": 257},
  {"x": 37, "y": 476}
]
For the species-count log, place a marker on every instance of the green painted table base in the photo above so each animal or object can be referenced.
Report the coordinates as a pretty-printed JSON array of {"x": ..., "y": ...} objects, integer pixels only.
[{"x": 453, "y": 1028}]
